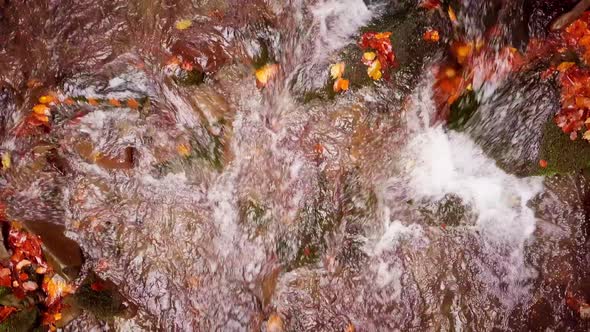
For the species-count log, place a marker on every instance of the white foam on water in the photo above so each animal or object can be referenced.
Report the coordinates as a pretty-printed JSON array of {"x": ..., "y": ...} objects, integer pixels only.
[
  {"x": 387, "y": 273},
  {"x": 337, "y": 22},
  {"x": 447, "y": 162},
  {"x": 451, "y": 163}
]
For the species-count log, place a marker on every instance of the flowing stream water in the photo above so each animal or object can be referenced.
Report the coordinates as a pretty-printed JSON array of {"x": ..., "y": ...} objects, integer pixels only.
[{"x": 358, "y": 210}]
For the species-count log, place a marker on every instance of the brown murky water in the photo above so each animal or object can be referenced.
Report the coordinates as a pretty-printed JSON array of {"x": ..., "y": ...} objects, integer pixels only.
[{"x": 211, "y": 204}]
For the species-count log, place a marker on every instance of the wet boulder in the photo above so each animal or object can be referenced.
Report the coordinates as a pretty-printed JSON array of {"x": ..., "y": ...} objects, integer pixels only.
[
  {"x": 509, "y": 126},
  {"x": 407, "y": 23}
]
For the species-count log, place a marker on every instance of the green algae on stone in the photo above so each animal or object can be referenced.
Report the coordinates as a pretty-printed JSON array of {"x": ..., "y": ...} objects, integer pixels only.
[
  {"x": 561, "y": 153},
  {"x": 462, "y": 110},
  {"x": 104, "y": 304},
  {"x": 190, "y": 78},
  {"x": 22, "y": 320},
  {"x": 407, "y": 23}
]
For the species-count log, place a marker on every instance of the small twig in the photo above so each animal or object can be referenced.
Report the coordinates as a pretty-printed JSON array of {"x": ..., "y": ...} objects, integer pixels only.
[{"x": 566, "y": 19}]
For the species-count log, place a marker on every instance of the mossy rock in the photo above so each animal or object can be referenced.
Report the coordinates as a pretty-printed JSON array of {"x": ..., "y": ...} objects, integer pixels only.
[
  {"x": 462, "y": 110},
  {"x": 407, "y": 23},
  {"x": 561, "y": 153},
  {"x": 190, "y": 78},
  {"x": 509, "y": 125},
  {"x": 22, "y": 320},
  {"x": 104, "y": 304}
]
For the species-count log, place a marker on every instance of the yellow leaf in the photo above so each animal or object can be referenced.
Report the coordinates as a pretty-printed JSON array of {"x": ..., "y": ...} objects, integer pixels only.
[
  {"x": 337, "y": 70},
  {"x": 57, "y": 287},
  {"x": 183, "y": 24},
  {"x": 374, "y": 70},
  {"x": 452, "y": 15},
  {"x": 41, "y": 117},
  {"x": 383, "y": 35},
  {"x": 46, "y": 99},
  {"x": 265, "y": 74},
  {"x": 41, "y": 109},
  {"x": 586, "y": 135},
  {"x": 369, "y": 56},
  {"x": 6, "y": 160},
  {"x": 183, "y": 150},
  {"x": 564, "y": 66}
]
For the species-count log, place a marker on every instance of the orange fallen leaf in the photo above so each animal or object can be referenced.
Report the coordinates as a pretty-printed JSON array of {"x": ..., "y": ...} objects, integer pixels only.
[
  {"x": 92, "y": 101},
  {"x": 383, "y": 35},
  {"x": 265, "y": 74},
  {"x": 462, "y": 51},
  {"x": 56, "y": 287},
  {"x": 564, "y": 66},
  {"x": 114, "y": 102},
  {"x": 41, "y": 109},
  {"x": 41, "y": 117},
  {"x": 450, "y": 72},
  {"x": 452, "y": 15},
  {"x": 586, "y": 135},
  {"x": 132, "y": 103},
  {"x": 431, "y": 35},
  {"x": 543, "y": 163},
  {"x": 47, "y": 99},
  {"x": 183, "y": 150},
  {"x": 341, "y": 84}
]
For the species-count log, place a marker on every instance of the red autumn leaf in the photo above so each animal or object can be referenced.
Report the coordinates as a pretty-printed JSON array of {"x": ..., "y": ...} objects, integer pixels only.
[
  {"x": 430, "y": 4},
  {"x": 574, "y": 115},
  {"x": 5, "y": 277},
  {"x": 431, "y": 35},
  {"x": 380, "y": 53},
  {"x": 97, "y": 286},
  {"x": 5, "y": 312}
]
